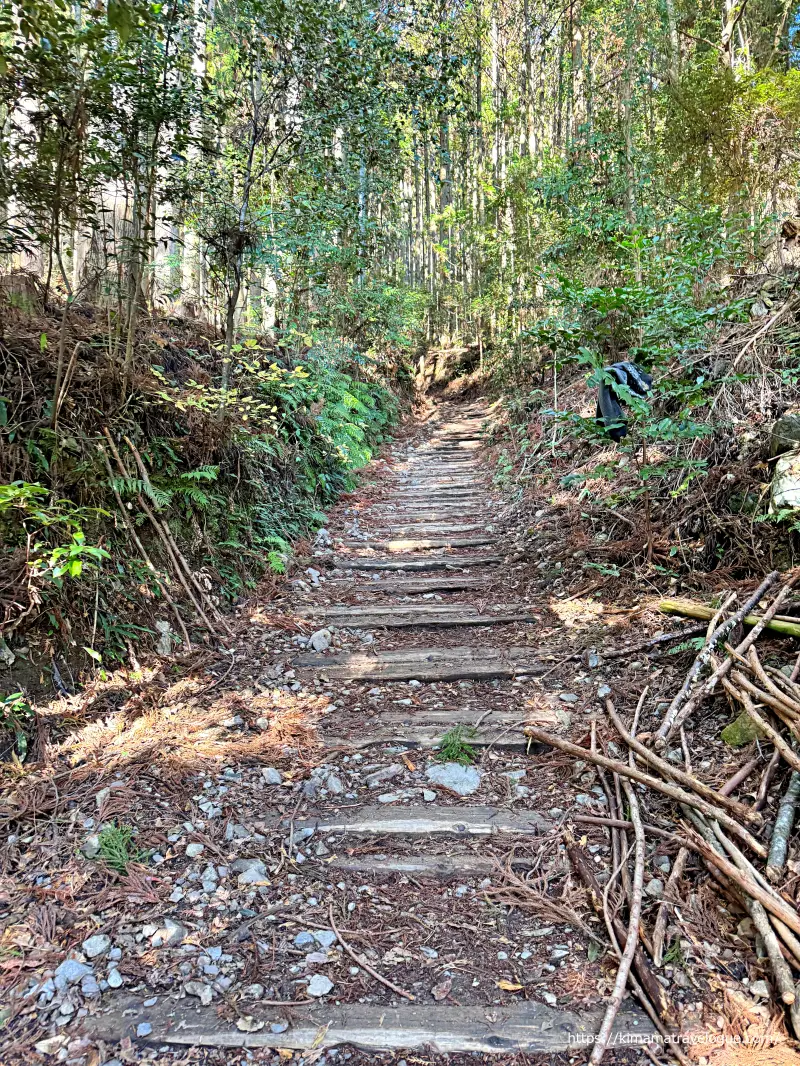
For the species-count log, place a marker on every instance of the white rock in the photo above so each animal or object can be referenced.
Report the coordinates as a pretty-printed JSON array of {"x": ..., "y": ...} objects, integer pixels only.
[
  {"x": 461, "y": 779},
  {"x": 320, "y": 641},
  {"x": 386, "y": 773},
  {"x": 203, "y": 992},
  {"x": 326, "y": 938},
  {"x": 96, "y": 945},
  {"x": 271, "y": 775},
  {"x": 428, "y": 795},
  {"x": 51, "y": 1046},
  {"x": 91, "y": 846},
  {"x": 114, "y": 978},
  {"x": 70, "y": 972},
  {"x": 319, "y": 985},
  {"x": 255, "y": 874},
  {"x": 170, "y": 935},
  {"x": 193, "y": 850}
]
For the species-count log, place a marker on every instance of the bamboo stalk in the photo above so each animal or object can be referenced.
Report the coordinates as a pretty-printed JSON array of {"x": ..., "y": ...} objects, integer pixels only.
[{"x": 689, "y": 609}]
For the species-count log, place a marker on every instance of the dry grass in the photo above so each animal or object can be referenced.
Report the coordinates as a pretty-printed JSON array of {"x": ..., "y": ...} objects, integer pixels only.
[{"x": 744, "y": 1034}]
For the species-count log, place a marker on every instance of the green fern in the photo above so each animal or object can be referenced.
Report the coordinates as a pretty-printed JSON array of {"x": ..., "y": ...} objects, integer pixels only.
[{"x": 456, "y": 747}]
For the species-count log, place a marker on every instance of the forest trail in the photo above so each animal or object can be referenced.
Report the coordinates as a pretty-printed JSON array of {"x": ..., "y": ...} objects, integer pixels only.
[{"x": 376, "y": 887}]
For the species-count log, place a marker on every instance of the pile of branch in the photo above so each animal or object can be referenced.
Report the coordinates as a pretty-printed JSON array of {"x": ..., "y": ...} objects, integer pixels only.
[{"x": 746, "y": 856}]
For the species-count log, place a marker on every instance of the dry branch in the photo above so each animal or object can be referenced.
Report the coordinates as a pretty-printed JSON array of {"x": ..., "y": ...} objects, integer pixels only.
[
  {"x": 720, "y": 631},
  {"x": 362, "y": 962},
  {"x": 601, "y": 1041},
  {"x": 779, "y": 844},
  {"x": 689, "y": 780},
  {"x": 649, "y": 982},
  {"x": 673, "y": 791}
]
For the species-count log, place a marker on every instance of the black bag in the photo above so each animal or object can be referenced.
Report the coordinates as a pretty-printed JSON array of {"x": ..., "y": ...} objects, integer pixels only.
[{"x": 609, "y": 411}]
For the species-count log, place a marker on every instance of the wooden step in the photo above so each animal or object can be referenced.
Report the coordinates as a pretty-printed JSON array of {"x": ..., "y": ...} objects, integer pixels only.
[
  {"x": 442, "y": 513},
  {"x": 414, "y": 586},
  {"x": 424, "y": 728},
  {"x": 425, "y": 867},
  {"x": 427, "y": 529},
  {"x": 412, "y": 545},
  {"x": 491, "y": 1029},
  {"x": 454, "y": 492},
  {"x": 432, "y": 562},
  {"x": 431, "y": 480},
  {"x": 420, "y": 821},
  {"x": 394, "y": 616},
  {"x": 423, "y": 664},
  {"x": 458, "y": 468}
]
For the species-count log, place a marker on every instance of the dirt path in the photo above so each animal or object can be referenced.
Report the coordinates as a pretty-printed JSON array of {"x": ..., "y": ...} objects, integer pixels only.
[{"x": 355, "y": 894}]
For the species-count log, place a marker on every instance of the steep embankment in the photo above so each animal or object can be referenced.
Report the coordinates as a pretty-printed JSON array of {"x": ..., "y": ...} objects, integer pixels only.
[{"x": 135, "y": 513}]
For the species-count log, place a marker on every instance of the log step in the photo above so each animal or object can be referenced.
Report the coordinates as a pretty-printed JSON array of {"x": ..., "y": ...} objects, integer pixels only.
[
  {"x": 426, "y": 729},
  {"x": 427, "y": 529},
  {"x": 393, "y": 616},
  {"x": 419, "y": 821},
  {"x": 445, "y": 493},
  {"x": 443, "y": 582},
  {"x": 531, "y": 1027},
  {"x": 429, "y": 867},
  {"x": 423, "y": 664},
  {"x": 433, "y": 562},
  {"x": 412, "y": 545}
]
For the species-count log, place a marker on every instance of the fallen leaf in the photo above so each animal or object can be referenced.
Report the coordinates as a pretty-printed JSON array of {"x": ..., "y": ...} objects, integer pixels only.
[
  {"x": 509, "y": 986},
  {"x": 248, "y": 1024},
  {"x": 442, "y": 990}
]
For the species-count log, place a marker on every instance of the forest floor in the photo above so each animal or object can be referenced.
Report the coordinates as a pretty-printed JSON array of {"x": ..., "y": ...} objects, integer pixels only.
[{"x": 337, "y": 832}]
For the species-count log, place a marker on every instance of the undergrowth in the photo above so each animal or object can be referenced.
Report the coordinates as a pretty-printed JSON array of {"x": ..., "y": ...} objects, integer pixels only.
[
  {"x": 115, "y": 847},
  {"x": 686, "y": 492},
  {"x": 233, "y": 475},
  {"x": 456, "y": 747}
]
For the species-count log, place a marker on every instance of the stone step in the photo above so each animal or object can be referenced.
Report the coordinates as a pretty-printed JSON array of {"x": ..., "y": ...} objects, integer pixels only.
[
  {"x": 488, "y": 1029},
  {"x": 392, "y": 616},
  {"x": 431, "y": 562},
  {"x": 412, "y": 545},
  {"x": 423, "y": 664},
  {"x": 421, "y": 821}
]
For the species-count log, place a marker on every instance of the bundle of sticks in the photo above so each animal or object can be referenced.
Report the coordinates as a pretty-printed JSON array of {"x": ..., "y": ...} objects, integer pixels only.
[{"x": 745, "y": 852}]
